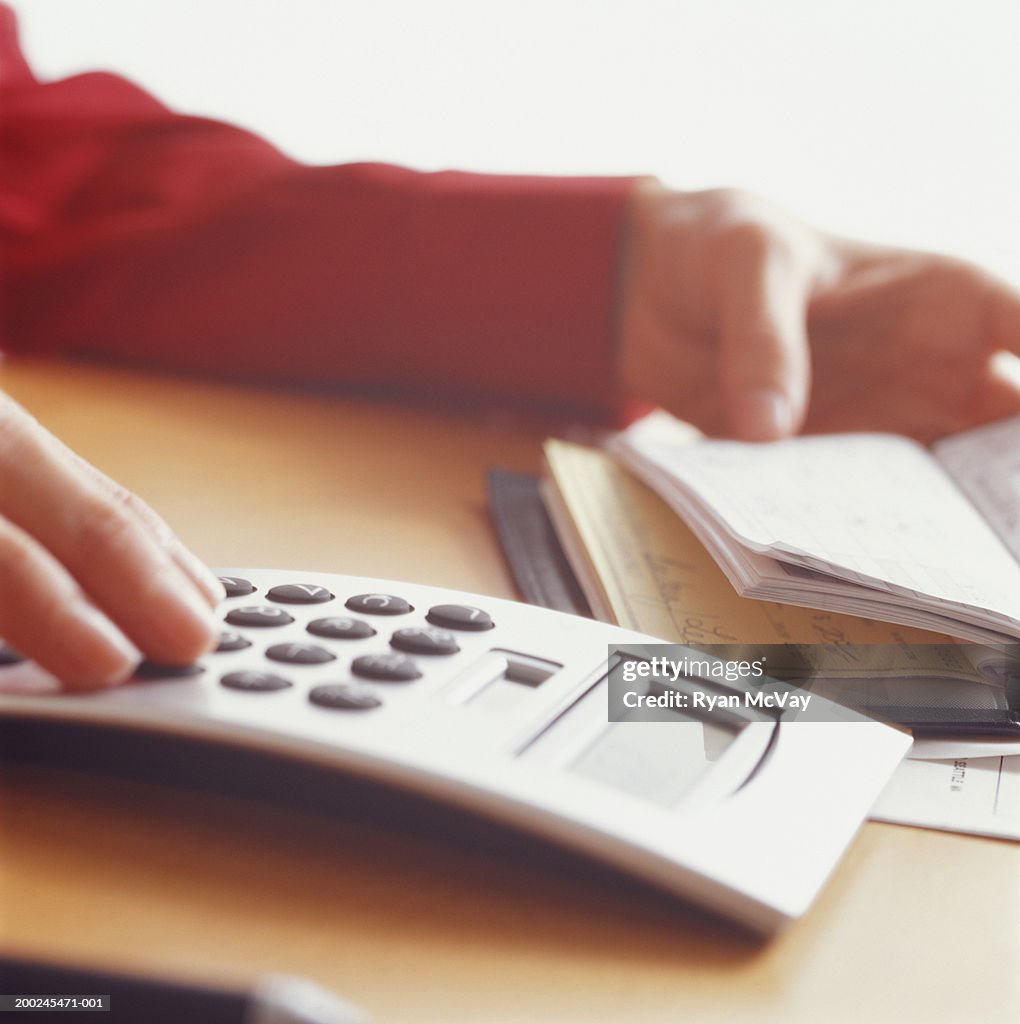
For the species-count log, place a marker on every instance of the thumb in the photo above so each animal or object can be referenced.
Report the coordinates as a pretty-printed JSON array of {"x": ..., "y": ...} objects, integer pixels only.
[{"x": 764, "y": 360}]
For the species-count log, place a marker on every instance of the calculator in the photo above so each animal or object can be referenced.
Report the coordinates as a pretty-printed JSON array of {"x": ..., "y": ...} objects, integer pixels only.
[{"x": 499, "y": 709}]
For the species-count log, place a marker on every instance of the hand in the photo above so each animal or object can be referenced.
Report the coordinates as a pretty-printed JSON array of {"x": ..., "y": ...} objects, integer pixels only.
[
  {"x": 90, "y": 577},
  {"x": 748, "y": 322}
]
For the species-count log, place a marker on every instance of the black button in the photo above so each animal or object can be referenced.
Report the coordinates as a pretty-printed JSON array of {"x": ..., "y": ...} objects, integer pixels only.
[
  {"x": 9, "y": 656},
  {"x": 341, "y": 628},
  {"x": 393, "y": 668},
  {"x": 344, "y": 696},
  {"x": 299, "y": 593},
  {"x": 258, "y": 615},
  {"x": 459, "y": 616},
  {"x": 379, "y": 604},
  {"x": 231, "y": 641},
  {"x": 424, "y": 640},
  {"x": 153, "y": 670},
  {"x": 300, "y": 654},
  {"x": 237, "y": 587},
  {"x": 255, "y": 682}
]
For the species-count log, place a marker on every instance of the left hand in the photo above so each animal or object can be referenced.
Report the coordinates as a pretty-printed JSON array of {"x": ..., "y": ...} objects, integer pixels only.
[{"x": 750, "y": 323}]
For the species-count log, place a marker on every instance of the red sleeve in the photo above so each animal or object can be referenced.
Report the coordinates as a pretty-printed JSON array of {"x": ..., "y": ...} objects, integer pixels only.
[{"x": 130, "y": 231}]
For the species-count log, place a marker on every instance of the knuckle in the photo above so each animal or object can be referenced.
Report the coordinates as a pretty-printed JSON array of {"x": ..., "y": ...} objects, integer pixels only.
[
  {"x": 141, "y": 512},
  {"x": 748, "y": 225},
  {"x": 733, "y": 208},
  {"x": 732, "y": 200},
  {"x": 746, "y": 237},
  {"x": 104, "y": 525}
]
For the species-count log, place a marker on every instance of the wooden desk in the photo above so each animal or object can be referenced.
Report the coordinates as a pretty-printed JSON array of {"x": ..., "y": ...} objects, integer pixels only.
[{"x": 914, "y": 926}]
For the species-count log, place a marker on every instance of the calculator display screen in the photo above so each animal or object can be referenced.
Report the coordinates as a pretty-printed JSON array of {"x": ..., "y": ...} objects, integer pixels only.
[{"x": 655, "y": 760}]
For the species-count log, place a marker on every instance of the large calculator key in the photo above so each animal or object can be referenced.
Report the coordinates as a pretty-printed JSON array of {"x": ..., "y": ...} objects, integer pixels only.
[
  {"x": 300, "y": 654},
  {"x": 424, "y": 640},
  {"x": 299, "y": 593},
  {"x": 9, "y": 656},
  {"x": 153, "y": 670},
  {"x": 344, "y": 697},
  {"x": 237, "y": 587},
  {"x": 390, "y": 668},
  {"x": 378, "y": 604},
  {"x": 340, "y": 627},
  {"x": 231, "y": 641},
  {"x": 255, "y": 682},
  {"x": 258, "y": 615},
  {"x": 459, "y": 616}
]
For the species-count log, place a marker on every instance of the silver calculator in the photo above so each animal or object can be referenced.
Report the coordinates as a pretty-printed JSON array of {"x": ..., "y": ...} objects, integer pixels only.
[{"x": 499, "y": 709}]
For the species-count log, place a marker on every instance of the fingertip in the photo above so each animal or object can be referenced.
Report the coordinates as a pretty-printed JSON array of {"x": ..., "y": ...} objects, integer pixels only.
[
  {"x": 181, "y": 625},
  {"x": 102, "y": 655},
  {"x": 208, "y": 583}
]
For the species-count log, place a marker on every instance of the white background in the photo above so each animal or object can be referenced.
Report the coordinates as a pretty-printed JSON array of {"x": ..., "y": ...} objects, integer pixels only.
[{"x": 894, "y": 120}]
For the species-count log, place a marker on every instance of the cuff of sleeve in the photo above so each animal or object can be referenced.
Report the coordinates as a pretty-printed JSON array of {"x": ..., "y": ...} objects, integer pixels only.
[{"x": 509, "y": 284}]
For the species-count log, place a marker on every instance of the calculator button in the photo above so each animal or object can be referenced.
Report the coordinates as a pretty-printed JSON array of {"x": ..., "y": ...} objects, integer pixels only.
[
  {"x": 9, "y": 656},
  {"x": 237, "y": 587},
  {"x": 254, "y": 682},
  {"x": 459, "y": 616},
  {"x": 300, "y": 654},
  {"x": 258, "y": 615},
  {"x": 424, "y": 640},
  {"x": 393, "y": 668},
  {"x": 299, "y": 593},
  {"x": 153, "y": 670},
  {"x": 339, "y": 627},
  {"x": 344, "y": 696},
  {"x": 231, "y": 641},
  {"x": 379, "y": 604}
]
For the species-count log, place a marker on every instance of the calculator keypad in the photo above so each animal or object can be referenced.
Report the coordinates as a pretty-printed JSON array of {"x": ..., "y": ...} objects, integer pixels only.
[
  {"x": 341, "y": 672},
  {"x": 363, "y": 671}
]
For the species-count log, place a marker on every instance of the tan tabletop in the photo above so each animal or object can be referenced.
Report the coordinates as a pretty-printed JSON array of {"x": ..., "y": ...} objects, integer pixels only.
[{"x": 914, "y": 925}]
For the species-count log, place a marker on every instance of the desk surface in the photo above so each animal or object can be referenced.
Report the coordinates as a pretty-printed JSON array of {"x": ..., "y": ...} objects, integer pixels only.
[{"x": 914, "y": 925}]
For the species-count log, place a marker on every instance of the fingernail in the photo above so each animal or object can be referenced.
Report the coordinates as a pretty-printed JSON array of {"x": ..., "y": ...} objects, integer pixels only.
[
  {"x": 765, "y": 415},
  {"x": 180, "y": 617},
  {"x": 105, "y": 656}
]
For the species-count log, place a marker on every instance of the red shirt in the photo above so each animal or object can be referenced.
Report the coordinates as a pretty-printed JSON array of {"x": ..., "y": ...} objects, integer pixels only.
[{"x": 131, "y": 231}]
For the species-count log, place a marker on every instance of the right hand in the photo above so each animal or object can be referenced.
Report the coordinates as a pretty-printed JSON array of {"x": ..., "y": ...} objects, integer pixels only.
[{"x": 91, "y": 579}]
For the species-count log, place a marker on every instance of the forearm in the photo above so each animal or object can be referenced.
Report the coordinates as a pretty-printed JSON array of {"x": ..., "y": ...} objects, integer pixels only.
[
  {"x": 184, "y": 243},
  {"x": 359, "y": 275}
]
